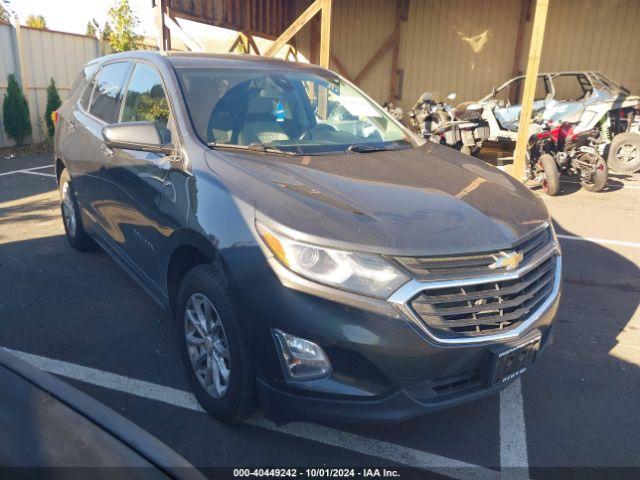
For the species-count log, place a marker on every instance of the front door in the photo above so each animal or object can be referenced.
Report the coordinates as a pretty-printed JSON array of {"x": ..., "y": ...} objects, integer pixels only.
[{"x": 135, "y": 181}]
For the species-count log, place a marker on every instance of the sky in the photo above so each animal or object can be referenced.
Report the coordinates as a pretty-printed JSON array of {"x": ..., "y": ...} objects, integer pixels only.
[{"x": 73, "y": 15}]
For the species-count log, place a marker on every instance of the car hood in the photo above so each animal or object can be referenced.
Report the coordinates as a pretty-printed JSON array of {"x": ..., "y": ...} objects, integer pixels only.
[{"x": 429, "y": 200}]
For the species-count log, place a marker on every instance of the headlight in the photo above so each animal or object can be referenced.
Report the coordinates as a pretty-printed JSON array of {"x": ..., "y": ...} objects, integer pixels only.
[{"x": 358, "y": 272}]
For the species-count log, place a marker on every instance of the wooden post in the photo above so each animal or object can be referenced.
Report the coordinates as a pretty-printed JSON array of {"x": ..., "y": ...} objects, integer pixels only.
[
  {"x": 395, "y": 54},
  {"x": 292, "y": 29},
  {"x": 535, "y": 50},
  {"x": 325, "y": 34},
  {"x": 163, "y": 33}
]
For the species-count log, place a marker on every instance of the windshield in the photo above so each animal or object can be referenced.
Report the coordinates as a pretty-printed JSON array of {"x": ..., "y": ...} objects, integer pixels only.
[{"x": 300, "y": 112}]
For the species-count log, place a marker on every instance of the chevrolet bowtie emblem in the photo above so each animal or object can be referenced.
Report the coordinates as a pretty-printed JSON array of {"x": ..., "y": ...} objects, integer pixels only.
[{"x": 507, "y": 260}]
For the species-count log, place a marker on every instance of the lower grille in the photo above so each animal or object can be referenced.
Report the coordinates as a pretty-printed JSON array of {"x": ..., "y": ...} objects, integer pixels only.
[{"x": 485, "y": 308}]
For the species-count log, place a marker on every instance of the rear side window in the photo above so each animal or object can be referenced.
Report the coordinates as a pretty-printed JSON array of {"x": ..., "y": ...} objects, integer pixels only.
[
  {"x": 106, "y": 97},
  {"x": 145, "y": 100},
  {"x": 86, "y": 95}
]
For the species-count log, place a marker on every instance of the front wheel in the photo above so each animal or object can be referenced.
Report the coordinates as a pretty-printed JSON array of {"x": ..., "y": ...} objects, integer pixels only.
[
  {"x": 624, "y": 153},
  {"x": 550, "y": 181},
  {"x": 215, "y": 346},
  {"x": 597, "y": 180}
]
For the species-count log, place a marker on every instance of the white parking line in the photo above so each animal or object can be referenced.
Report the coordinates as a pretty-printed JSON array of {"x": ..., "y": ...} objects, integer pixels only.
[
  {"x": 513, "y": 434},
  {"x": 603, "y": 241},
  {"x": 25, "y": 170},
  {"x": 317, "y": 433},
  {"x": 40, "y": 173}
]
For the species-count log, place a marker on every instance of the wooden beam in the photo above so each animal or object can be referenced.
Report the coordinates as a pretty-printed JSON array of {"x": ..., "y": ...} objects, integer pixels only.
[
  {"x": 393, "y": 87},
  {"x": 174, "y": 27},
  {"x": 535, "y": 51},
  {"x": 375, "y": 58},
  {"x": 340, "y": 68},
  {"x": 292, "y": 29},
  {"x": 314, "y": 41},
  {"x": 325, "y": 34},
  {"x": 516, "y": 68},
  {"x": 163, "y": 33}
]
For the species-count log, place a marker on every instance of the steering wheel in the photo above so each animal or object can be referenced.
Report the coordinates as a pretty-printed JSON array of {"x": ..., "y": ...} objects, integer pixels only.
[{"x": 308, "y": 134}]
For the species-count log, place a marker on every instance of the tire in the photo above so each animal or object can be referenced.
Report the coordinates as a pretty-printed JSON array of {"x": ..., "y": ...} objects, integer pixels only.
[
  {"x": 551, "y": 178},
  {"x": 617, "y": 159},
  {"x": 76, "y": 235},
  {"x": 230, "y": 399},
  {"x": 600, "y": 175}
]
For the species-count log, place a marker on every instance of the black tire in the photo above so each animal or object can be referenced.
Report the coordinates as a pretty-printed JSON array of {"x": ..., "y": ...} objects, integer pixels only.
[
  {"x": 239, "y": 400},
  {"x": 600, "y": 175},
  {"x": 630, "y": 140},
  {"x": 551, "y": 179},
  {"x": 76, "y": 235}
]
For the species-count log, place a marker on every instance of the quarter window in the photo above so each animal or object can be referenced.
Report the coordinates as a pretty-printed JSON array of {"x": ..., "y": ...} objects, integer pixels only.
[
  {"x": 146, "y": 101},
  {"x": 107, "y": 94}
]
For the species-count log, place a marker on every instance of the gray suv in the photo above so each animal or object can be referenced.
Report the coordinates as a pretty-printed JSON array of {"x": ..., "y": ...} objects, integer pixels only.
[{"x": 320, "y": 261}]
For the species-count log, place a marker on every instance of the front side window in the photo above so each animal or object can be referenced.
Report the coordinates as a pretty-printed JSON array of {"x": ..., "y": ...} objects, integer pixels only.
[
  {"x": 105, "y": 101},
  {"x": 300, "y": 111},
  {"x": 145, "y": 100}
]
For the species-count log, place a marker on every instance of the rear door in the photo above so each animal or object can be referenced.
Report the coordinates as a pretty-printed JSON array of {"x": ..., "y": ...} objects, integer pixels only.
[
  {"x": 79, "y": 144},
  {"x": 98, "y": 107},
  {"x": 136, "y": 180}
]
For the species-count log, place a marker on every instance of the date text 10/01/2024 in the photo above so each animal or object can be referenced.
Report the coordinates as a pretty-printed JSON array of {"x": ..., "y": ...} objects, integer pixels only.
[{"x": 316, "y": 473}]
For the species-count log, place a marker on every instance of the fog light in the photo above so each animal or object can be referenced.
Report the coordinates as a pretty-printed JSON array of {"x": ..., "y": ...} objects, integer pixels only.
[{"x": 302, "y": 359}]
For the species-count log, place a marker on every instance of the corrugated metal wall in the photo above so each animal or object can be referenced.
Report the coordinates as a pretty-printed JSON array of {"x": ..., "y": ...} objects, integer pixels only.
[
  {"x": 46, "y": 54},
  {"x": 461, "y": 46},
  {"x": 354, "y": 41},
  {"x": 602, "y": 35},
  {"x": 468, "y": 46}
]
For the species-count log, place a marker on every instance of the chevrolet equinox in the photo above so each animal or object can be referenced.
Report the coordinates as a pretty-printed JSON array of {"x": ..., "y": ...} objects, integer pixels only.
[{"x": 320, "y": 260}]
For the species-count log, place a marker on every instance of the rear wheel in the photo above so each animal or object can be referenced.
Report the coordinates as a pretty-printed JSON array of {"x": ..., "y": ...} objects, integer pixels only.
[
  {"x": 624, "y": 153},
  {"x": 550, "y": 177},
  {"x": 598, "y": 178},
  {"x": 74, "y": 230}
]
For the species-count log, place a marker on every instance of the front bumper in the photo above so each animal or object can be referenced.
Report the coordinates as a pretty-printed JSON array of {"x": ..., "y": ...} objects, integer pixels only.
[{"x": 385, "y": 368}]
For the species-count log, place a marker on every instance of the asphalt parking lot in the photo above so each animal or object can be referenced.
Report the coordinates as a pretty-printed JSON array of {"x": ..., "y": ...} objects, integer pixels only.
[{"x": 79, "y": 316}]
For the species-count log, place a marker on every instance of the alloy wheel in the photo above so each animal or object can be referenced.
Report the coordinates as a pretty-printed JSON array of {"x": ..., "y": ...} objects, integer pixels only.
[
  {"x": 626, "y": 153},
  {"x": 68, "y": 209},
  {"x": 207, "y": 345}
]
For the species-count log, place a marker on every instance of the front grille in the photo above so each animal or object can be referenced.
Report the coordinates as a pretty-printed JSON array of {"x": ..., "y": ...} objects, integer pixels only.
[
  {"x": 447, "y": 268},
  {"x": 485, "y": 308}
]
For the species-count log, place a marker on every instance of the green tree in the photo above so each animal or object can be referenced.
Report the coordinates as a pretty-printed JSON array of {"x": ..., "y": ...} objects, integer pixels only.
[
  {"x": 91, "y": 29},
  {"x": 5, "y": 14},
  {"x": 36, "y": 21},
  {"x": 123, "y": 38},
  {"x": 53, "y": 103},
  {"x": 15, "y": 112},
  {"x": 106, "y": 31}
]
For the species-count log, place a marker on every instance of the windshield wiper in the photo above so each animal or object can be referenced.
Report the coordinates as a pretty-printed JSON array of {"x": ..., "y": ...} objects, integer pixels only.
[
  {"x": 253, "y": 147},
  {"x": 367, "y": 147}
]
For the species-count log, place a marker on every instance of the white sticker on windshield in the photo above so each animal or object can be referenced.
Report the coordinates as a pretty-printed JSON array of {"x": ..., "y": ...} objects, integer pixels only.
[{"x": 358, "y": 106}]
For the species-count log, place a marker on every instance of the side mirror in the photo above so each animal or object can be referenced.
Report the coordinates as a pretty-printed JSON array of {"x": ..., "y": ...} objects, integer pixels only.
[
  {"x": 142, "y": 136},
  {"x": 451, "y": 96}
]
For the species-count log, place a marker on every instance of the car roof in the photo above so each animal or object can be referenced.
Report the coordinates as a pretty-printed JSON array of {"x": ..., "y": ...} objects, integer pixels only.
[{"x": 203, "y": 60}]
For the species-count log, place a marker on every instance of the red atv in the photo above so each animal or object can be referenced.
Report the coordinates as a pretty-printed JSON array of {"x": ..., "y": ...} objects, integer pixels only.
[{"x": 557, "y": 149}]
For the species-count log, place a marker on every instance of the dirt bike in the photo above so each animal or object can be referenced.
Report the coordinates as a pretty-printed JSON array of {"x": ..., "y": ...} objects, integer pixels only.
[{"x": 557, "y": 149}]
